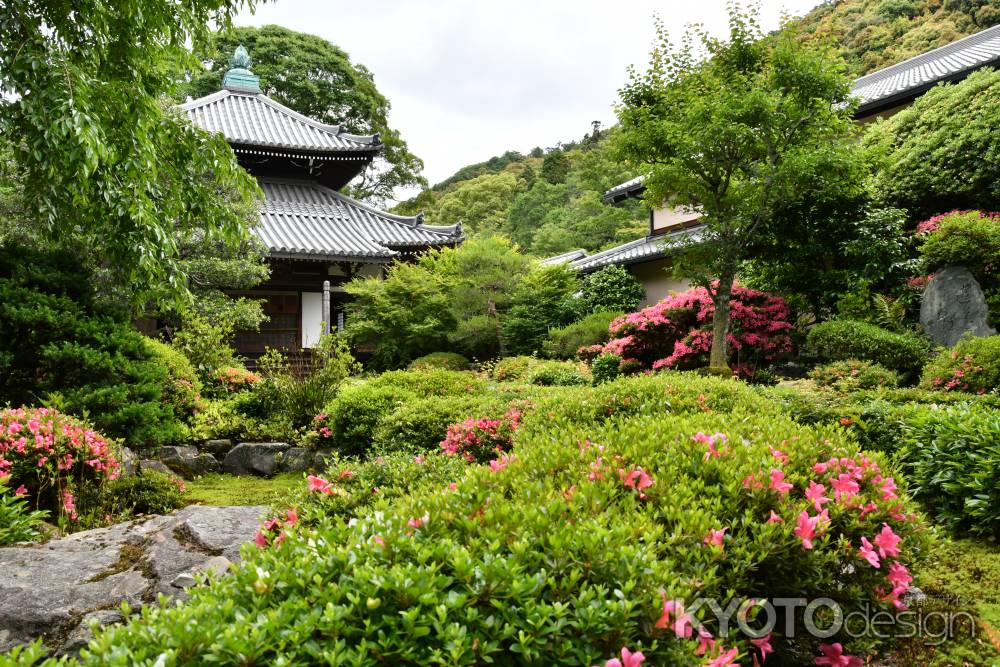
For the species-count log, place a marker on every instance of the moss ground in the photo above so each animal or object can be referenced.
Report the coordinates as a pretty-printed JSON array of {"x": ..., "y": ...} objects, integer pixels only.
[{"x": 221, "y": 489}]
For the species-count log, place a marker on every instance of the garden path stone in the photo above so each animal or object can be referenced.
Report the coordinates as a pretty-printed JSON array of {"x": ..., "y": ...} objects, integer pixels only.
[
  {"x": 49, "y": 590},
  {"x": 255, "y": 458},
  {"x": 952, "y": 306}
]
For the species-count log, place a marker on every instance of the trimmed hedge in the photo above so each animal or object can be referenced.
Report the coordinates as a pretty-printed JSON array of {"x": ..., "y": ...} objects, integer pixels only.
[
  {"x": 592, "y": 329},
  {"x": 449, "y": 361},
  {"x": 852, "y": 374},
  {"x": 838, "y": 340},
  {"x": 556, "y": 374}
]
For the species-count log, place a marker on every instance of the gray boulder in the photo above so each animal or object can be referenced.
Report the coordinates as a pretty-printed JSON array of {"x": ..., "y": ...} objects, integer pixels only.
[
  {"x": 255, "y": 458},
  {"x": 952, "y": 306},
  {"x": 218, "y": 447},
  {"x": 128, "y": 462},
  {"x": 149, "y": 464},
  {"x": 186, "y": 461},
  {"x": 298, "y": 459},
  {"x": 53, "y": 590}
]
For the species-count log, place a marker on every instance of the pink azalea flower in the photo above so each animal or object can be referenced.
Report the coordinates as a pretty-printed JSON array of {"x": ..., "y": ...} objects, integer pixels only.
[
  {"x": 805, "y": 529},
  {"x": 291, "y": 516},
  {"x": 888, "y": 488},
  {"x": 415, "y": 522},
  {"x": 715, "y": 537},
  {"x": 778, "y": 483},
  {"x": 751, "y": 482},
  {"x": 887, "y": 542},
  {"x": 774, "y": 518},
  {"x": 681, "y": 625},
  {"x": 867, "y": 552},
  {"x": 318, "y": 484},
  {"x": 638, "y": 479},
  {"x": 453, "y": 487},
  {"x": 20, "y": 491},
  {"x": 763, "y": 644},
  {"x": 379, "y": 541},
  {"x": 868, "y": 509},
  {"x": 815, "y": 494},
  {"x": 346, "y": 474},
  {"x": 899, "y": 577},
  {"x": 845, "y": 486},
  {"x": 819, "y": 468},
  {"x": 726, "y": 659},
  {"x": 778, "y": 454},
  {"x": 833, "y": 655},
  {"x": 260, "y": 539},
  {"x": 629, "y": 659},
  {"x": 706, "y": 643},
  {"x": 418, "y": 459}
]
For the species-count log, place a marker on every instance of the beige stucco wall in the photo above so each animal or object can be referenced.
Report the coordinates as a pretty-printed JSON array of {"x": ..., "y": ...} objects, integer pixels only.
[{"x": 656, "y": 278}]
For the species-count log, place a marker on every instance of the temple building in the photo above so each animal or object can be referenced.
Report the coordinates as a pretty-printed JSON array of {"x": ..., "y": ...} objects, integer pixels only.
[
  {"x": 314, "y": 234},
  {"x": 879, "y": 94}
]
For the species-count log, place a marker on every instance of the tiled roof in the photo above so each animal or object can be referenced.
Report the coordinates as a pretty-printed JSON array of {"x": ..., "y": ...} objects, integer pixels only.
[
  {"x": 305, "y": 220},
  {"x": 564, "y": 258},
  {"x": 248, "y": 119},
  {"x": 641, "y": 250},
  {"x": 904, "y": 81},
  {"x": 624, "y": 190}
]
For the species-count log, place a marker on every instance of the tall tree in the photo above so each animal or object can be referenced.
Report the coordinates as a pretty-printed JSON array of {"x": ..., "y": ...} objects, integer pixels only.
[
  {"x": 740, "y": 129},
  {"x": 318, "y": 79},
  {"x": 105, "y": 160}
]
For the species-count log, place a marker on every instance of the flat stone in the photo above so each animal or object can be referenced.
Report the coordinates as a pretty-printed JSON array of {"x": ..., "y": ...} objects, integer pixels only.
[
  {"x": 298, "y": 459},
  {"x": 218, "y": 447},
  {"x": 952, "y": 306},
  {"x": 255, "y": 458},
  {"x": 49, "y": 589},
  {"x": 183, "y": 580}
]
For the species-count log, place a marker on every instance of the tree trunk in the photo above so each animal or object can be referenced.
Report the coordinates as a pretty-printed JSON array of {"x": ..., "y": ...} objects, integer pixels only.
[{"x": 718, "y": 360}]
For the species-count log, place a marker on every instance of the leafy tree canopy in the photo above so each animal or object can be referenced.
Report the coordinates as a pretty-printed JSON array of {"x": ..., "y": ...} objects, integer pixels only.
[
  {"x": 318, "y": 79},
  {"x": 105, "y": 160},
  {"x": 741, "y": 135}
]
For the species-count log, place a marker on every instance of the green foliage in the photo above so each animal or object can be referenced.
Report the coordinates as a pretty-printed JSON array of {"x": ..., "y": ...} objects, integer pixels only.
[
  {"x": 968, "y": 238},
  {"x": 284, "y": 395},
  {"x": 449, "y": 361},
  {"x": 838, "y": 340},
  {"x": 512, "y": 369},
  {"x": 542, "y": 301},
  {"x": 530, "y": 208},
  {"x": 555, "y": 167},
  {"x": 851, "y": 374},
  {"x": 207, "y": 344},
  {"x": 108, "y": 166},
  {"x": 872, "y": 35},
  {"x": 146, "y": 492},
  {"x": 317, "y": 79},
  {"x": 605, "y": 368},
  {"x": 476, "y": 557},
  {"x": 18, "y": 523},
  {"x": 419, "y": 425},
  {"x": 480, "y": 204},
  {"x": 950, "y": 457},
  {"x": 400, "y": 318},
  {"x": 58, "y": 345},
  {"x": 742, "y": 129},
  {"x": 182, "y": 391},
  {"x": 611, "y": 289},
  {"x": 941, "y": 153},
  {"x": 973, "y": 365},
  {"x": 592, "y": 329},
  {"x": 235, "y": 417},
  {"x": 556, "y": 374}
]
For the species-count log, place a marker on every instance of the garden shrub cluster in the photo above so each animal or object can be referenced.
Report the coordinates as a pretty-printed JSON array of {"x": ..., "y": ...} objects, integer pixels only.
[
  {"x": 18, "y": 523},
  {"x": 951, "y": 457},
  {"x": 62, "y": 346},
  {"x": 677, "y": 331},
  {"x": 851, "y": 375},
  {"x": 556, "y": 373},
  {"x": 420, "y": 425},
  {"x": 512, "y": 369},
  {"x": 973, "y": 365},
  {"x": 592, "y": 329},
  {"x": 449, "y": 361},
  {"x": 52, "y": 457},
  {"x": 585, "y": 540},
  {"x": 837, "y": 340},
  {"x": 126, "y": 497}
]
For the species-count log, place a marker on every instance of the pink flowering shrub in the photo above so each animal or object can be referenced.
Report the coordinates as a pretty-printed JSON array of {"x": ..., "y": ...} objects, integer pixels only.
[
  {"x": 320, "y": 432},
  {"x": 482, "y": 440},
  {"x": 49, "y": 456},
  {"x": 973, "y": 366},
  {"x": 677, "y": 332},
  {"x": 232, "y": 379}
]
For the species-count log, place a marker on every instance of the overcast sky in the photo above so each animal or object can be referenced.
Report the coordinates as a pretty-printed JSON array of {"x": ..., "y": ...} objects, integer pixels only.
[{"x": 471, "y": 79}]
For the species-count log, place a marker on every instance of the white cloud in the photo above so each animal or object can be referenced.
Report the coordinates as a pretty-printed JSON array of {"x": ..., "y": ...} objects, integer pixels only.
[{"x": 469, "y": 80}]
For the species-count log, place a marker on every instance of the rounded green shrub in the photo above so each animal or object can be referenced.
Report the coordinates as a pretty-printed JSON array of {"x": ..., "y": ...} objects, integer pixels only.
[
  {"x": 952, "y": 461},
  {"x": 436, "y": 382},
  {"x": 556, "y": 374},
  {"x": 420, "y": 425},
  {"x": 183, "y": 390},
  {"x": 840, "y": 340},
  {"x": 852, "y": 374},
  {"x": 606, "y": 367},
  {"x": 592, "y": 329},
  {"x": 559, "y": 555},
  {"x": 612, "y": 288},
  {"x": 973, "y": 365},
  {"x": 357, "y": 411},
  {"x": 146, "y": 492},
  {"x": 512, "y": 369},
  {"x": 449, "y": 361}
]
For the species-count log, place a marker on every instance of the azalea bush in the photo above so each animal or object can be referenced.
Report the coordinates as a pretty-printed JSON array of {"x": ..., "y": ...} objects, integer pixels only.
[
  {"x": 852, "y": 374},
  {"x": 230, "y": 379},
  {"x": 677, "y": 331},
  {"x": 973, "y": 365},
  {"x": 557, "y": 373},
  {"x": 50, "y": 457},
  {"x": 480, "y": 440},
  {"x": 449, "y": 361},
  {"x": 592, "y": 329},
  {"x": 511, "y": 369},
  {"x": 586, "y": 539},
  {"x": 182, "y": 391},
  {"x": 837, "y": 340}
]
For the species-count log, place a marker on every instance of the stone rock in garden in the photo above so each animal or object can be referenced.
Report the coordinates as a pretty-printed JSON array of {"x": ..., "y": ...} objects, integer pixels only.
[
  {"x": 297, "y": 459},
  {"x": 323, "y": 459},
  {"x": 150, "y": 464},
  {"x": 81, "y": 635},
  {"x": 953, "y": 305},
  {"x": 50, "y": 590},
  {"x": 255, "y": 458},
  {"x": 186, "y": 461},
  {"x": 217, "y": 447}
]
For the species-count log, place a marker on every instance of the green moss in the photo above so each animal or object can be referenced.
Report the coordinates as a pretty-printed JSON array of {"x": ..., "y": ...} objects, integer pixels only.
[{"x": 221, "y": 489}]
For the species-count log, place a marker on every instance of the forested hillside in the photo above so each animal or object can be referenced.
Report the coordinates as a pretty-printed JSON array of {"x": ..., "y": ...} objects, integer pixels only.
[
  {"x": 872, "y": 34},
  {"x": 549, "y": 201}
]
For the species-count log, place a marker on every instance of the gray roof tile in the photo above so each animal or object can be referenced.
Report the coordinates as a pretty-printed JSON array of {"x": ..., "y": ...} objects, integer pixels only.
[
  {"x": 249, "y": 119},
  {"x": 645, "y": 249}
]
